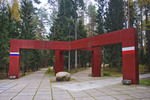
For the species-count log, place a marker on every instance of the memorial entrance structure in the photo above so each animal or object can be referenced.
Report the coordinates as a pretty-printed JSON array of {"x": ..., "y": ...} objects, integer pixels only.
[{"x": 126, "y": 37}]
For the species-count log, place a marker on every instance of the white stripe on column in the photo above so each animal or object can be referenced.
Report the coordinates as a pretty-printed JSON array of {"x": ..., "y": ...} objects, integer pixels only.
[
  {"x": 128, "y": 48},
  {"x": 14, "y": 52}
]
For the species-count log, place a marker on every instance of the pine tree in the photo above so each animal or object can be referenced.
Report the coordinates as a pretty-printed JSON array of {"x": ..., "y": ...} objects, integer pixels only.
[
  {"x": 92, "y": 19},
  {"x": 144, "y": 5},
  {"x": 114, "y": 21},
  {"x": 27, "y": 26},
  {"x": 114, "y": 16},
  {"x": 100, "y": 16},
  {"x": 40, "y": 20},
  {"x": 27, "y": 32},
  {"x": 131, "y": 13},
  {"x": 4, "y": 40},
  {"x": 81, "y": 31},
  {"x": 14, "y": 26},
  {"x": 66, "y": 21}
]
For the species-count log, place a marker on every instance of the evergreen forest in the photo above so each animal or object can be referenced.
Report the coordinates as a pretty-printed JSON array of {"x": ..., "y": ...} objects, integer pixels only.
[{"x": 69, "y": 20}]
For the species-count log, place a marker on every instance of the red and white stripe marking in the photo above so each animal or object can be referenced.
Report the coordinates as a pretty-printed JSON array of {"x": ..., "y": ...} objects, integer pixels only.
[{"x": 127, "y": 50}]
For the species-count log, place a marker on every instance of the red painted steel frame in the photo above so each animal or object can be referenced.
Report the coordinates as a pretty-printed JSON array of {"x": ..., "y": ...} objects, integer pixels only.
[
  {"x": 127, "y": 37},
  {"x": 96, "y": 62},
  {"x": 59, "y": 61}
]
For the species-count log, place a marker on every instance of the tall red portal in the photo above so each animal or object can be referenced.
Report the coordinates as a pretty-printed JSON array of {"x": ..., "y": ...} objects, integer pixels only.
[{"x": 127, "y": 37}]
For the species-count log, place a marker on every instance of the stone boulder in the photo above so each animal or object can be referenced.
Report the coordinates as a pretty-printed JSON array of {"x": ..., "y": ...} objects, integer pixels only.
[{"x": 63, "y": 76}]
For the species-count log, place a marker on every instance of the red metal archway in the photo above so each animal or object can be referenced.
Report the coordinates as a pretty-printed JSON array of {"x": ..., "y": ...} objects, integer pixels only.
[{"x": 127, "y": 37}]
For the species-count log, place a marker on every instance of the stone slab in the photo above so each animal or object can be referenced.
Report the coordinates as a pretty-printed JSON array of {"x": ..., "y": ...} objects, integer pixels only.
[{"x": 105, "y": 98}]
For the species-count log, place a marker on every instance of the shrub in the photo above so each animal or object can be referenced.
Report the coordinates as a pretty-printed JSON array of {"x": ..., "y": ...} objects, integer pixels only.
[
  {"x": 106, "y": 74},
  {"x": 145, "y": 81},
  {"x": 50, "y": 71},
  {"x": 143, "y": 69},
  {"x": 90, "y": 75}
]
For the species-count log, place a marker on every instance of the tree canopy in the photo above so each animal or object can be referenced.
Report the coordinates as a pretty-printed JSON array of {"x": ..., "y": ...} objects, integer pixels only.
[{"x": 69, "y": 20}]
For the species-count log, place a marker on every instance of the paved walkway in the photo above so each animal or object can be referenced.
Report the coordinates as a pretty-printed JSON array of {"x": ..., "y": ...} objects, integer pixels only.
[{"x": 38, "y": 86}]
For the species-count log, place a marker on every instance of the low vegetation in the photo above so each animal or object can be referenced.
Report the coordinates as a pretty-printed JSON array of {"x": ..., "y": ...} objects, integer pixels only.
[
  {"x": 27, "y": 73},
  {"x": 50, "y": 71},
  {"x": 111, "y": 72},
  {"x": 72, "y": 70},
  {"x": 106, "y": 74},
  {"x": 143, "y": 69},
  {"x": 145, "y": 81},
  {"x": 115, "y": 72},
  {"x": 3, "y": 75}
]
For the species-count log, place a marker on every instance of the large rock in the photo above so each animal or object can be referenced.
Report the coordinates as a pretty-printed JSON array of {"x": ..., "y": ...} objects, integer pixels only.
[{"x": 63, "y": 76}]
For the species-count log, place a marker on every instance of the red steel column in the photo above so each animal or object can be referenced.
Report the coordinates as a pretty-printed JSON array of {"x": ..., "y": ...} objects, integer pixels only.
[
  {"x": 131, "y": 61},
  {"x": 96, "y": 62},
  {"x": 14, "y": 65},
  {"x": 59, "y": 61}
]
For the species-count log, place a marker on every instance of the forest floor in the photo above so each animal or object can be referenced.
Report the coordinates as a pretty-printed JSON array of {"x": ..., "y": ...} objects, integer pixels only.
[{"x": 38, "y": 86}]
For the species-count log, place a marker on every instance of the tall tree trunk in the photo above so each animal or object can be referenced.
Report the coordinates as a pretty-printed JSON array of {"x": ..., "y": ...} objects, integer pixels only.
[
  {"x": 24, "y": 63},
  {"x": 40, "y": 35},
  {"x": 7, "y": 71},
  {"x": 54, "y": 21},
  {"x": 83, "y": 17},
  {"x": 92, "y": 25},
  {"x": 103, "y": 59},
  {"x": 141, "y": 30},
  {"x": 69, "y": 50},
  {"x": 125, "y": 14},
  {"x": 76, "y": 39},
  {"x": 147, "y": 37},
  {"x": 76, "y": 59},
  {"x": 69, "y": 61},
  {"x": 128, "y": 14},
  {"x": 80, "y": 59}
]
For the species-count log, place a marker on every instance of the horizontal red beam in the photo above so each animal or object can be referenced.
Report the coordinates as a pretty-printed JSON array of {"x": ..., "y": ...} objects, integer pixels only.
[
  {"x": 121, "y": 36},
  {"x": 126, "y": 35},
  {"x": 36, "y": 44}
]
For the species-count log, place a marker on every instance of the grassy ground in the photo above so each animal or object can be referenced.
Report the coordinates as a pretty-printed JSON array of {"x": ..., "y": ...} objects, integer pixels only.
[
  {"x": 114, "y": 72},
  {"x": 51, "y": 72},
  {"x": 110, "y": 74},
  {"x": 27, "y": 73},
  {"x": 3, "y": 75},
  {"x": 143, "y": 69},
  {"x": 145, "y": 81},
  {"x": 72, "y": 70}
]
